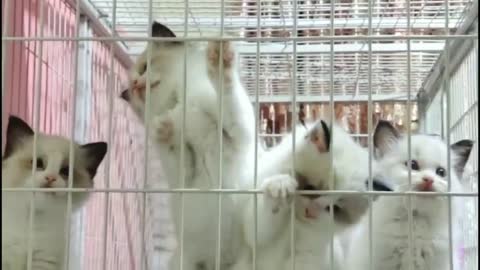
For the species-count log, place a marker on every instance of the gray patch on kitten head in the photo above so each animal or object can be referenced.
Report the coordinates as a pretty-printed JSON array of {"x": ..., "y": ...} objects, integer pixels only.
[{"x": 160, "y": 30}]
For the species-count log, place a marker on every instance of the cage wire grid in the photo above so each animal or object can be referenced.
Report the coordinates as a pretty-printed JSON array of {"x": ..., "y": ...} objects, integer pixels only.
[{"x": 395, "y": 52}]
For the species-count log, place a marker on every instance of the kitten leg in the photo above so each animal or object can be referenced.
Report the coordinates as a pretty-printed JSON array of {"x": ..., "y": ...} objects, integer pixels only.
[
  {"x": 238, "y": 113},
  {"x": 163, "y": 129},
  {"x": 273, "y": 208}
]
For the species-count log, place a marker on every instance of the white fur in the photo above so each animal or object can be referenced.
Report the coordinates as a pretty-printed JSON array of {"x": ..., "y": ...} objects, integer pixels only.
[
  {"x": 202, "y": 138},
  {"x": 313, "y": 238},
  {"x": 390, "y": 214},
  {"x": 49, "y": 224}
]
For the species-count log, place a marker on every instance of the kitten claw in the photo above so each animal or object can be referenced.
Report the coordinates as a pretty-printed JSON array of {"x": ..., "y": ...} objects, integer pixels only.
[
  {"x": 280, "y": 190},
  {"x": 163, "y": 127}
]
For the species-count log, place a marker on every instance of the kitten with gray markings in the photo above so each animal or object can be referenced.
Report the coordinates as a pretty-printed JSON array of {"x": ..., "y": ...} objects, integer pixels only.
[
  {"x": 430, "y": 239},
  {"x": 203, "y": 91},
  {"x": 52, "y": 169},
  {"x": 312, "y": 224}
]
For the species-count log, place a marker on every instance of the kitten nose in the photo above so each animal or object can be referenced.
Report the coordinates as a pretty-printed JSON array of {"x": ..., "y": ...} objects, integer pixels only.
[
  {"x": 50, "y": 179},
  {"x": 427, "y": 180},
  {"x": 125, "y": 95}
]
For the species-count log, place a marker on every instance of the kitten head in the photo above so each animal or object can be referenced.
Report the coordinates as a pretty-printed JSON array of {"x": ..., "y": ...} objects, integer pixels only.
[
  {"x": 52, "y": 163},
  {"x": 166, "y": 57},
  {"x": 428, "y": 162},
  {"x": 349, "y": 171}
]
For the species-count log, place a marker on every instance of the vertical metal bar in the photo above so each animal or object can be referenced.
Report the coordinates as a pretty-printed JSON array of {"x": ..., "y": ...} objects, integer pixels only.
[
  {"x": 257, "y": 127},
  {"x": 71, "y": 159},
  {"x": 370, "y": 137},
  {"x": 332, "y": 136},
  {"x": 409, "y": 144},
  {"x": 182, "y": 140},
  {"x": 36, "y": 120},
  {"x": 446, "y": 80},
  {"x": 294, "y": 126},
  {"x": 220, "y": 135},
  {"x": 6, "y": 25},
  {"x": 108, "y": 158}
]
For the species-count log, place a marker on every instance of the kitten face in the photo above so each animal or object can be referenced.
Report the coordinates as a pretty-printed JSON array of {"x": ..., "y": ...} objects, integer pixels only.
[
  {"x": 165, "y": 58},
  {"x": 52, "y": 164},
  {"x": 350, "y": 172},
  {"x": 428, "y": 163}
]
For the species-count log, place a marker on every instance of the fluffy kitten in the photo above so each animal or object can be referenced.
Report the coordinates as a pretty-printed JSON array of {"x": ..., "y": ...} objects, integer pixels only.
[
  {"x": 428, "y": 166},
  {"x": 50, "y": 207},
  {"x": 313, "y": 150},
  {"x": 201, "y": 135}
]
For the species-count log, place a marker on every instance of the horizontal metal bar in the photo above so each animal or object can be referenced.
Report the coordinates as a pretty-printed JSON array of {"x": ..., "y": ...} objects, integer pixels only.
[
  {"x": 317, "y": 23},
  {"x": 239, "y": 191},
  {"x": 246, "y": 48},
  {"x": 326, "y": 98},
  {"x": 249, "y": 39}
]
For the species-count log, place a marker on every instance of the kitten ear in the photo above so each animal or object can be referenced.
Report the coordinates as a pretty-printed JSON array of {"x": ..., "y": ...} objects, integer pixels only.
[
  {"x": 462, "y": 150},
  {"x": 160, "y": 30},
  {"x": 125, "y": 95},
  {"x": 319, "y": 135},
  {"x": 94, "y": 154},
  {"x": 385, "y": 136},
  {"x": 17, "y": 131}
]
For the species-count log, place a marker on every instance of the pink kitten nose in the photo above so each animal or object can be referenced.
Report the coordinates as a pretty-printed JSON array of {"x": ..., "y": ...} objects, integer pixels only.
[
  {"x": 50, "y": 179},
  {"x": 427, "y": 180}
]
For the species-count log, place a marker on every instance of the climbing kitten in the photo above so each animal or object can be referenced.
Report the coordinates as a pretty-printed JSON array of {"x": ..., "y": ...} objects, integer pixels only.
[
  {"x": 428, "y": 164},
  {"x": 201, "y": 135},
  {"x": 313, "y": 150},
  {"x": 50, "y": 207}
]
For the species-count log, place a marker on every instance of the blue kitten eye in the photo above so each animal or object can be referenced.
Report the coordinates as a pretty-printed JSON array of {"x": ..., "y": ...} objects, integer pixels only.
[
  {"x": 441, "y": 172},
  {"x": 413, "y": 165},
  {"x": 64, "y": 171}
]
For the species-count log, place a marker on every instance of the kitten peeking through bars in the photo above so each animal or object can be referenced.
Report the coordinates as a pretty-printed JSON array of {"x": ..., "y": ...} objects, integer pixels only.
[{"x": 52, "y": 171}]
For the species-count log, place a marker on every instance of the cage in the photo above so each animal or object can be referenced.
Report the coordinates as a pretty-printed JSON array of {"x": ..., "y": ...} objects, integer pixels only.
[{"x": 65, "y": 62}]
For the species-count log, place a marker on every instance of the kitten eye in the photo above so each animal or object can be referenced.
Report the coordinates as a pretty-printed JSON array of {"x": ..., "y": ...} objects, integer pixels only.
[
  {"x": 308, "y": 187},
  {"x": 336, "y": 208},
  {"x": 40, "y": 165},
  {"x": 143, "y": 69},
  {"x": 64, "y": 171},
  {"x": 413, "y": 165},
  {"x": 440, "y": 172}
]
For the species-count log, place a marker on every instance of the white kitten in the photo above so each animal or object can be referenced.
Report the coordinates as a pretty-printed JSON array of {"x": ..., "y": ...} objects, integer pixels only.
[
  {"x": 429, "y": 213},
  {"x": 201, "y": 136},
  {"x": 313, "y": 233},
  {"x": 52, "y": 171}
]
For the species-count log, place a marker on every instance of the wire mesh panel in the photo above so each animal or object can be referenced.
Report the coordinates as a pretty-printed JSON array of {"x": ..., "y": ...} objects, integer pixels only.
[{"x": 67, "y": 62}]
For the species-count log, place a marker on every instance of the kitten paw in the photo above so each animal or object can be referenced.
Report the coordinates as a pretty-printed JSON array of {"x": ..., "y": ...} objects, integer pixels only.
[
  {"x": 280, "y": 190},
  {"x": 228, "y": 58},
  {"x": 163, "y": 129}
]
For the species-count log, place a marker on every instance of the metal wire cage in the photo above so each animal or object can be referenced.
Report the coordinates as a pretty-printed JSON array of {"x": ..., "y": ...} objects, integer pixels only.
[{"x": 64, "y": 63}]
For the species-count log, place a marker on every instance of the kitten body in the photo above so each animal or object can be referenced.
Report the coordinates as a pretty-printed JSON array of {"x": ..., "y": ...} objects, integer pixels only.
[
  {"x": 315, "y": 231},
  {"x": 202, "y": 139},
  {"x": 48, "y": 232},
  {"x": 429, "y": 215}
]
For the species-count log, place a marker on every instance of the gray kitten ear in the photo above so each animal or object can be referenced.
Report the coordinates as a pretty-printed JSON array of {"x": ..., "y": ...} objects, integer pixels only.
[
  {"x": 462, "y": 150},
  {"x": 160, "y": 30},
  {"x": 94, "y": 154},
  {"x": 319, "y": 135},
  {"x": 384, "y": 137},
  {"x": 17, "y": 131}
]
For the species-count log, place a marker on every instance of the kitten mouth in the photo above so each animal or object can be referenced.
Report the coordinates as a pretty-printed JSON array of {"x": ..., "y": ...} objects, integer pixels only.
[{"x": 424, "y": 187}]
